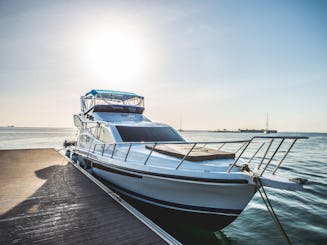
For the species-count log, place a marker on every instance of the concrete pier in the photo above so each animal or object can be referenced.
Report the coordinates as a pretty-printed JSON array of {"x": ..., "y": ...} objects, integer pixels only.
[{"x": 46, "y": 200}]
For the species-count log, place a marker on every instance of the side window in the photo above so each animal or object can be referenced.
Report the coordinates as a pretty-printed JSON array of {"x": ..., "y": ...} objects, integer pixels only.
[
  {"x": 93, "y": 130},
  {"x": 84, "y": 140},
  {"x": 102, "y": 134},
  {"x": 105, "y": 135}
]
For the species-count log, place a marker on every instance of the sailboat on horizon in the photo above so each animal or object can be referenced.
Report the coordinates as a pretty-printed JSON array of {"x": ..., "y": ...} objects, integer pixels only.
[{"x": 267, "y": 131}]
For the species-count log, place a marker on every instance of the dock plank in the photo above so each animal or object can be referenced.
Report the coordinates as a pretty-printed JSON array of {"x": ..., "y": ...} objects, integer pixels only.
[{"x": 44, "y": 200}]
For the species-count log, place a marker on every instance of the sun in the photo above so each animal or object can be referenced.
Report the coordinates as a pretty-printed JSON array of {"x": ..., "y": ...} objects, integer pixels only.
[{"x": 116, "y": 53}]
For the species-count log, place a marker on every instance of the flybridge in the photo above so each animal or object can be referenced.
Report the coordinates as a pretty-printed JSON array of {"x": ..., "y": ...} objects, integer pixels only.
[{"x": 112, "y": 101}]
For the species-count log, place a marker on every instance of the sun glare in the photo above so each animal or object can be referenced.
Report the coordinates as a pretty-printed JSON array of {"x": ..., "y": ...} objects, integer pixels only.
[{"x": 116, "y": 54}]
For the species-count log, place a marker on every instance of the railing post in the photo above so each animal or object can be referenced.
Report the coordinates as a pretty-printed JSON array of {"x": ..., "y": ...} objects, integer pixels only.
[
  {"x": 103, "y": 146},
  {"x": 239, "y": 148},
  {"x": 233, "y": 164},
  {"x": 155, "y": 144},
  {"x": 221, "y": 146},
  {"x": 289, "y": 149},
  {"x": 264, "y": 169},
  {"x": 113, "y": 151},
  {"x": 129, "y": 148},
  {"x": 180, "y": 163},
  {"x": 257, "y": 151},
  {"x": 264, "y": 156}
]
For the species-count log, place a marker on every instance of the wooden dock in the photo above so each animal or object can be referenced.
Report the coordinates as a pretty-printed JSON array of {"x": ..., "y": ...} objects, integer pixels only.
[{"x": 46, "y": 200}]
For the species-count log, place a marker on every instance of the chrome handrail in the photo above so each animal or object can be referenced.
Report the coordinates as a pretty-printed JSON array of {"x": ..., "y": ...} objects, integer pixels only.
[
  {"x": 273, "y": 155},
  {"x": 262, "y": 144},
  {"x": 274, "y": 152},
  {"x": 244, "y": 148},
  {"x": 113, "y": 151},
  {"x": 286, "y": 153},
  {"x": 266, "y": 152},
  {"x": 129, "y": 149},
  {"x": 146, "y": 160},
  {"x": 238, "y": 158},
  {"x": 177, "y": 142},
  {"x": 180, "y": 163}
]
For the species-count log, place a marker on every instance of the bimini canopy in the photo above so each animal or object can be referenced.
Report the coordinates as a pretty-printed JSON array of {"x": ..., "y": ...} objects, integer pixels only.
[
  {"x": 108, "y": 100},
  {"x": 113, "y": 93}
]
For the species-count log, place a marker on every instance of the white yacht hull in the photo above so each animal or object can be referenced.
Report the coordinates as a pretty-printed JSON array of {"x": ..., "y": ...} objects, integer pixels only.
[{"x": 211, "y": 205}]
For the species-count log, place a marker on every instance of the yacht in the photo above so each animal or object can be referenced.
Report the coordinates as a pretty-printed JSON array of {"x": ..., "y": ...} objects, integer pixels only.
[{"x": 203, "y": 183}]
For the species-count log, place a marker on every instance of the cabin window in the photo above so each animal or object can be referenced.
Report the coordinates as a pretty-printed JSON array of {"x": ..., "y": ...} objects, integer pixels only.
[
  {"x": 102, "y": 134},
  {"x": 84, "y": 140},
  {"x": 147, "y": 134},
  {"x": 94, "y": 132}
]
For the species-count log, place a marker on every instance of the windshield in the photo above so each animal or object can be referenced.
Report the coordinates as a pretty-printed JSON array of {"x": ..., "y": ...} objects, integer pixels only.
[
  {"x": 111, "y": 98},
  {"x": 148, "y": 134}
]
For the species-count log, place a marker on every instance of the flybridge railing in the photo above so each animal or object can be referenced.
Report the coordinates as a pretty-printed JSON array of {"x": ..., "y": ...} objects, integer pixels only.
[{"x": 259, "y": 152}]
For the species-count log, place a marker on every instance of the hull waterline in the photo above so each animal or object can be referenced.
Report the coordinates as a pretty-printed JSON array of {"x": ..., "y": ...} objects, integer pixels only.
[{"x": 166, "y": 216}]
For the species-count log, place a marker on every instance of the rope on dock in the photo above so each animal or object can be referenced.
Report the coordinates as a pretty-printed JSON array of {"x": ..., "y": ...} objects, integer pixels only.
[{"x": 271, "y": 211}]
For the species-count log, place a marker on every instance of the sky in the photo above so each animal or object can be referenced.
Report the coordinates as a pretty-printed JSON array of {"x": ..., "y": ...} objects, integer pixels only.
[{"x": 209, "y": 65}]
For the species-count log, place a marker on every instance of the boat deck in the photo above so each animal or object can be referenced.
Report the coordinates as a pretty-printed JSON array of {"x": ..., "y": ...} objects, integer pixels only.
[
  {"x": 197, "y": 154},
  {"x": 46, "y": 200}
]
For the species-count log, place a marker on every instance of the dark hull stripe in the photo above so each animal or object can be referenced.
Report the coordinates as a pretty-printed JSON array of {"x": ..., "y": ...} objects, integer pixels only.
[
  {"x": 135, "y": 171},
  {"x": 174, "y": 205},
  {"x": 116, "y": 171}
]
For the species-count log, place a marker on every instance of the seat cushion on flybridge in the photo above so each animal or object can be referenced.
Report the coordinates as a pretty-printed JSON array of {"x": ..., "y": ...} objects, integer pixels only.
[{"x": 197, "y": 154}]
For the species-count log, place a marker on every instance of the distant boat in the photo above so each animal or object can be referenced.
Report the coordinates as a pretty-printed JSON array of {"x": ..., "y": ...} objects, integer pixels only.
[
  {"x": 251, "y": 130},
  {"x": 223, "y": 131},
  {"x": 11, "y": 126}
]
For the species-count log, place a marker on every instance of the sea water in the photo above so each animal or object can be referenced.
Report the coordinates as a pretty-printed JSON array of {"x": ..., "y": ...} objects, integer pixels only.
[{"x": 303, "y": 214}]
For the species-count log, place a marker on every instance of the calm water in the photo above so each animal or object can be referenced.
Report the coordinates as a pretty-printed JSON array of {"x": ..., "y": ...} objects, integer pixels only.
[{"x": 302, "y": 213}]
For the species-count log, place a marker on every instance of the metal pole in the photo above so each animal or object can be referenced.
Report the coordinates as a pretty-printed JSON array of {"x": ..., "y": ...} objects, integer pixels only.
[
  {"x": 264, "y": 156},
  {"x": 221, "y": 147},
  {"x": 103, "y": 146},
  {"x": 180, "y": 163},
  {"x": 129, "y": 148},
  {"x": 113, "y": 151},
  {"x": 239, "y": 148},
  {"x": 257, "y": 151},
  {"x": 230, "y": 168},
  {"x": 289, "y": 149},
  {"x": 155, "y": 144},
  {"x": 264, "y": 169}
]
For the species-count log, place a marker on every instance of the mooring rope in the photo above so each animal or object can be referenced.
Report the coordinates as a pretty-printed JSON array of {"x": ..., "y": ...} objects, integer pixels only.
[{"x": 271, "y": 211}]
